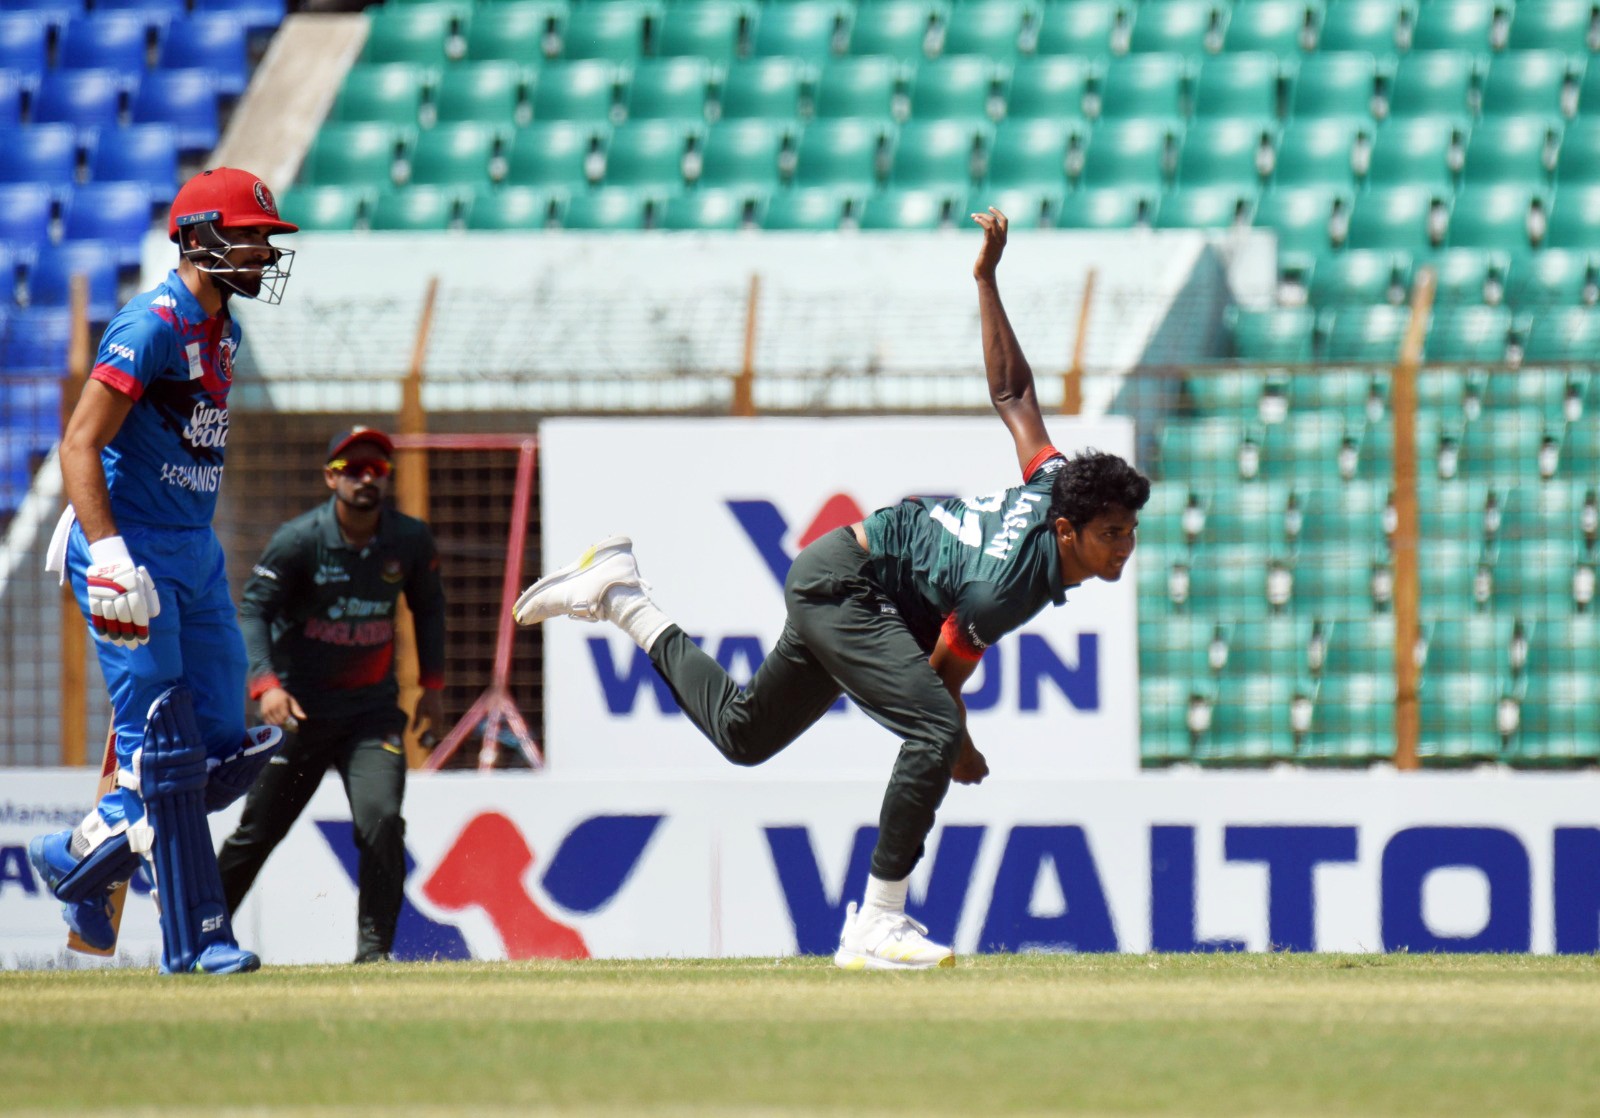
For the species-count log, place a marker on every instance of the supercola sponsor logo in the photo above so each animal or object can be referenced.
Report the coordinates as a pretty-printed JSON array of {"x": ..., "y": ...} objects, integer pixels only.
[{"x": 207, "y": 426}]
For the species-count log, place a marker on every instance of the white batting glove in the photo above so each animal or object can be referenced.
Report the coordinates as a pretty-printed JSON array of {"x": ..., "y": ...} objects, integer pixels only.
[{"x": 122, "y": 597}]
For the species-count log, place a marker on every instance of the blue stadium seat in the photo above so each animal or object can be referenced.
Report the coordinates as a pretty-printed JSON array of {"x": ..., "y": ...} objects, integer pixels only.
[
  {"x": 25, "y": 212},
  {"x": 118, "y": 213},
  {"x": 185, "y": 99},
  {"x": 142, "y": 153},
  {"x": 105, "y": 41},
  {"x": 42, "y": 153},
  {"x": 50, "y": 278},
  {"x": 214, "y": 42},
  {"x": 85, "y": 99},
  {"x": 54, "y": 13},
  {"x": 34, "y": 341},
  {"x": 11, "y": 90},
  {"x": 157, "y": 13},
  {"x": 256, "y": 15},
  {"x": 23, "y": 42}
]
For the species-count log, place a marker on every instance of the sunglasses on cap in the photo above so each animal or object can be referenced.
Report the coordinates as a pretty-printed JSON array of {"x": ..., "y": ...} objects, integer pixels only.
[{"x": 377, "y": 467}]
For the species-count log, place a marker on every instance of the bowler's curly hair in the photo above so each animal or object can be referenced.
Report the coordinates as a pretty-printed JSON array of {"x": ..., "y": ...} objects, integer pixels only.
[{"x": 1092, "y": 482}]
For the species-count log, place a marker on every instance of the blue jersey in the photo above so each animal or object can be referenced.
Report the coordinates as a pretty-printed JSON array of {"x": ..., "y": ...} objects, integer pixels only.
[{"x": 164, "y": 467}]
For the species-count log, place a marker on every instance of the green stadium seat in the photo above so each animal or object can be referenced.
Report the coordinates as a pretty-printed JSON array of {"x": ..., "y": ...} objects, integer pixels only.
[
  {"x": 1513, "y": 150},
  {"x": 1030, "y": 153},
  {"x": 1144, "y": 86},
  {"x": 1564, "y": 643},
  {"x": 387, "y": 92},
  {"x": 1554, "y": 276},
  {"x": 1255, "y": 515},
  {"x": 1164, "y": 736},
  {"x": 1468, "y": 26},
  {"x": 1128, "y": 153},
  {"x": 1469, "y": 335},
  {"x": 763, "y": 89},
  {"x": 431, "y": 34},
  {"x": 1543, "y": 578},
  {"x": 1229, "y": 584},
  {"x": 1578, "y": 163},
  {"x": 1503, "y": 445},
  {"x": 649, "y": 155},
  {"x": 522, "y": 31},
  {"x": 743, "y": 154},
  {"x": 707, "y": 209},
  {"x": 1459, "y": 719},
  {"x": 1547, "y": 392},
  {"x": 706, "y": 29},
  {"x": 1201, "y": 448},
  {"x": 1580, "y": 450},
  {"x": 859, "y": 87},
  {"x": 955, "y": 87},
  {"x": 1191, "y": 27},
  {"x": 1352, "y": 721},
  {"x": 1307, "y": 446},
  {"x": 585, "y": 90},
  {"x": 1399, "y": 217},
  {"x": 814, "y": 209},
  {"x": 1205, "y": 207},
  {"x": 1335, "y": 85},
  {"x": 1353, "y": 393},
  {"x": 612, "y": 30},
  {"x": 1048, "y": 88},
  {"x": 1025, "y": 207},
  {"x": 1252, "y": 722},
  {"x": 895, "y": 208},
  {"x": 1339, "y": 584},
  {"x": 989, "y": 29},
  {"x": 1300, "y": 216},
  {"x": 1358, "y": 645},
  {"x": 327, "y": 208},
  {"x": 416, "y": 209},
  {"x": 935, "y": 155},
  {"x": 1458, "y": 510},
  {"x": 1274, "y": 334},
  {"x": 554, "y": 154},
  {"x": 1563, "y": 334},
  {"x": 1238, "y": 85},
  {"x": 1371, "y": 333},
  {"x": 894, "y": 28},
  {"x": 1082, "y": 28},
  {"x": 1454, "y": 577},
  {"x": 1111, "y": 207},
  {"x": 1574, "y": 218},
  {"x": 1468, "y": 275},
  {"x": 1373, "y": 26},
  {"x": 1560, "y": 720},
  {"x": 1423, "y": 152},
  {"x": 1319, "y": 152},
  {"x": 510, "y": 207},
  {"x": 1563, "y": 25},
  {"x": 1281, "y": 644},
  {"x": 1560, "y": 509},
  {"x": 1531, "y": 83},
  {"x": 1235, "y": 153},
  {"x": 456, "y": 154},
  {"x": 1179, "y": 646},
  {"x": 806, "y": 30},
  {"x": 669, "y": 89},
  {"x": 609, "y": 209},
  {"x": 486, "y": 92},
  {"x": 842, "y": 154},
  {"x": 1480, "y": 643},
  {"x": 1434, "y": 84},
  {"x": 1161, "y": 521},
  {"x": 1356, "y": 276},
  {"x": 354, "y": 154},
  {"x": 1494, "y": 217},
  {"x": 1279, "y": 27}
]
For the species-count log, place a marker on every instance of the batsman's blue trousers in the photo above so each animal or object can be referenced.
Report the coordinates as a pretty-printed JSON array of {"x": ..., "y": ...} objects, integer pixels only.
[{"x": 195, "y": 638}]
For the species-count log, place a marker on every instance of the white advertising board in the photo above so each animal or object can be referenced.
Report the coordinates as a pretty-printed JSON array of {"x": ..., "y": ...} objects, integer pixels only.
[
  {"x": 521, "y": 866},
  {"x": 717, "y": 510}
]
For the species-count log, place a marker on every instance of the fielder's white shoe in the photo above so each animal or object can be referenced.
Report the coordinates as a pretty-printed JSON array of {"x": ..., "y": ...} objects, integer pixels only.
[
  {"x": 578, "y": 590},
  {"x": 887, "y": 941}
]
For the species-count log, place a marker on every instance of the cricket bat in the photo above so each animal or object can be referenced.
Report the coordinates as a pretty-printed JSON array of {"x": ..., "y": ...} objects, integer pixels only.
[{"x": 119, "y": 894}]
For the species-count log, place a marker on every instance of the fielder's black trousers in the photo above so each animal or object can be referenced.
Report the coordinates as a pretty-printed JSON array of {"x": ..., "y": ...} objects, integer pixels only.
[
  {"x": 369, "y": 754},
  {"x": 842, "y": 634}
]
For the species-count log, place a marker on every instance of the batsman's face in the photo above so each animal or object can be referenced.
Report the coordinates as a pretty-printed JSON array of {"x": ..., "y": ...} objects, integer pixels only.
[
  {"x": 248, "y": 255},
  {"x": 1102, "y": 548},
  {"x": 360, "y": 482}
]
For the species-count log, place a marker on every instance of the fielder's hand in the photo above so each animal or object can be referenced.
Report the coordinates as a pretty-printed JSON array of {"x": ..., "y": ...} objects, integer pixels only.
[{"x": 122, "y": 597}]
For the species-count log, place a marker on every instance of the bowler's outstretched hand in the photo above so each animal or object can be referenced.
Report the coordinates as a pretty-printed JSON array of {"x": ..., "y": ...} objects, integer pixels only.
[{"x": 994, "y": 243}]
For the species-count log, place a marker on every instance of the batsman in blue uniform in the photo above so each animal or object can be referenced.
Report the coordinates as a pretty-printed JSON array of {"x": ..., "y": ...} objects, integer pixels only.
[{"x": 141, "y": 460}]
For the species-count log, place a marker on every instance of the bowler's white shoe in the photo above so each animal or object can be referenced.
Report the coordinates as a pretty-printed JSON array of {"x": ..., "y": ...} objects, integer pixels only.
[
  {"x": 578, "y": 590},
  {"x": 887, "y": 941}
]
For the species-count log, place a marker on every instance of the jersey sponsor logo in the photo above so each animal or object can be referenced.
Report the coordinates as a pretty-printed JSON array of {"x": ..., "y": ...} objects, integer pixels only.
[
  {"x": 197, "y": 367},
  {"x": 485, "y": 872},
  {"x": 207, "y": 426},
  {"x": 117, "y": 349},
  {"x": 360, "y": 607},
  {"x": 196, "y": 479},
  {"x": 330, "y": 572},
  {"x": 350, "y": 634}
]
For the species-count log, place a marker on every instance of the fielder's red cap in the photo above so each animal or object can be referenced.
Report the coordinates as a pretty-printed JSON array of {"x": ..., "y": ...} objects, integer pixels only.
[
  {"x": 230, "y": 198},
  {"x": 344, "y": 440}
]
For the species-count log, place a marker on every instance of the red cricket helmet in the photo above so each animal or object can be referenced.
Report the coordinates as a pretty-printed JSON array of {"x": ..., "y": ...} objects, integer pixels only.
[{"x": 226, "y": 197}]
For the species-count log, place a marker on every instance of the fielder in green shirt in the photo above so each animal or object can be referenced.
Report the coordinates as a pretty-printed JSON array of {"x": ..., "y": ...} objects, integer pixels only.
[{"x": 895, "y": 612}]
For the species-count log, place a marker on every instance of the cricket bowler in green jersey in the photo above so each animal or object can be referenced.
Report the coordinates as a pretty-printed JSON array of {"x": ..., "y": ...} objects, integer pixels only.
[{"x": 895, "y": 612}]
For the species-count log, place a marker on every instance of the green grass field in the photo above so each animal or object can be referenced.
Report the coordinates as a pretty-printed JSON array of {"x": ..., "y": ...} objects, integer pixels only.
[{"x": 1226, "y": 1035}]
